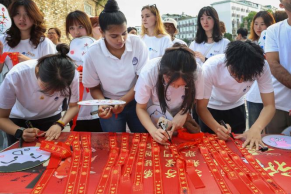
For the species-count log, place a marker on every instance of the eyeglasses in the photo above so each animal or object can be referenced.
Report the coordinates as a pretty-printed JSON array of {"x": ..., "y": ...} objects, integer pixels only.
[
  {"x": 168, "y": 25},
  {"x": 153, "y": 5},
  {"x": 51, "y": 33}
]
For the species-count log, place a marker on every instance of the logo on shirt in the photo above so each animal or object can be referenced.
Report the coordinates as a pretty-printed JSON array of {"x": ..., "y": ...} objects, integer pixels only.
[
  {"x": 248, "y": 87},
  {"x": 134, "y": 61},
  {"x": 56, "y": 98},
  {"x": 151, "y": 49},
  {"x": 183, "y": 97},
  {"x": 28, "y": 54}
]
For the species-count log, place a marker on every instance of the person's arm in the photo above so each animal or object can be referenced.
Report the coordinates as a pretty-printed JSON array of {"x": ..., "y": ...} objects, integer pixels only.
[
  {"x": 55, "y": 130},
  {"x": 208, "y": 119},
  {"x": 278, "y": 71},
  {"x": 253, "y": 135},
  {"x": 9, "y": 127},
  {"x": 178, "y": 120},
  {"x": 159, "y": 135}
]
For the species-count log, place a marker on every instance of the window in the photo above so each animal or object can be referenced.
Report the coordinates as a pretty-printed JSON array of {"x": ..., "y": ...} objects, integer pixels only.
[{"x": 88, "y": 9}]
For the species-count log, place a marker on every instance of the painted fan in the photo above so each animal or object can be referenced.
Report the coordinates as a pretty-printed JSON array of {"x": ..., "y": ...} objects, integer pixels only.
[
  {"x": 101, "y": 102},
  {"x": 20, "y": 159},
  {"x": 79, "y": 47},
  {"x": 5, "y": 20}
]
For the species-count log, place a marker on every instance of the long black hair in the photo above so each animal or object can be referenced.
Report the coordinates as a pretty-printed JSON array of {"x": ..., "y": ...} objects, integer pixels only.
[
  {"x": 57, "y": 71},
  {"x": 201, "y": 34},
  {"x": 177, "y": 62},
  {"x": 111, "y": 15}
]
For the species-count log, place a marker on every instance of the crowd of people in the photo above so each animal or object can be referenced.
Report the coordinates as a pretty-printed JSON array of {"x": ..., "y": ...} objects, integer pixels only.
[{"x": 199, "y": 85}]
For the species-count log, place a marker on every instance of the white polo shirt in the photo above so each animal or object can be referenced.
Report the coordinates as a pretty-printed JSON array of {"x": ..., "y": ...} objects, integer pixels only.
[
  {"x": 223, "y": 91},
  {"x": 209, "y": 50},
  {"x": 21, "y": 93},
  {"x": 157, "y": 46},
  {"x": 26, "y": 48},
  {"x": 278, "y": 40},
  {"x": 116, "y": 76},
  {"x": 254, "y": 94},
  {"x": 145, "y": 89}
]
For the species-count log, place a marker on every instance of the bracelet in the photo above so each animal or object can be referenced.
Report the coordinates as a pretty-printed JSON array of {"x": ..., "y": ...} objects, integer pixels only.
[{"x": 60, "y": 123}]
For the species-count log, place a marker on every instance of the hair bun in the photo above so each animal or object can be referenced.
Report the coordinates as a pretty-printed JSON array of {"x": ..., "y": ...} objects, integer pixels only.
[
  {"x": 63, "y": 49},
  {"x": 111, "y": 6}
]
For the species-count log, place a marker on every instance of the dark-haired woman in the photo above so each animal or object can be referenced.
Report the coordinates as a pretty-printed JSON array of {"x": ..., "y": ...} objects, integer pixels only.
[
  {"x": 208, "y": 41},
  {"x": 261, "y": 21},
  {"x": 54, "y": 34},
  {"x": 178, "y": 76},
  {"x": 153, "y": 32},
  {"x": 111, "y": 67},
  {"x": 78, "y": 25},
  {"x": 34, "y": 91},
  {"x": 26, "y": 34}
]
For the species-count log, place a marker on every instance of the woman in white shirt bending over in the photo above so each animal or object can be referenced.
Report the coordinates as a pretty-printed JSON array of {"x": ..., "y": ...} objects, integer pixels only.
[
  {"x": 177, "y": 75},
  {"x": 208, "y": 41},
  {"x": 153, "y": 32},
  {"x": 34, "y": 91}
]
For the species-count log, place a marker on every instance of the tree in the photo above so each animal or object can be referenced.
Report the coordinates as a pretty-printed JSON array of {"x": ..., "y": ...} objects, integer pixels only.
[
  {"x": 187, "y": 41},
  {"x": 228, "y": 36},
  {"x": 248, "y": 19}
]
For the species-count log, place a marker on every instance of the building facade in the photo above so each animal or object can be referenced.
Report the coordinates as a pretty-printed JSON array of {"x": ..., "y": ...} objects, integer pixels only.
[
  {"x": 232, "y": 12},
  {"x": 56, "y": 11}
]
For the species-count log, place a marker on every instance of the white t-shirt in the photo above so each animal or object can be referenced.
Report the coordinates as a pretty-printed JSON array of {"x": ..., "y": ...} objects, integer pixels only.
[
  {"x": 209, "y": 50},
  {"x": 222, "y": 90},
  {"x": 157, "y": 46},
  {"x": 84, "y": 111},
  {"x": 254, "y": 94},
  {"x": 179, "y": 41},
  {"x": 21, "y": 93},
  {"x": 116, "y": 76},
  {"x": 145, "y": 89},
  {"x": 26, "y": 48},
  {"x": 278, "y": 40}
]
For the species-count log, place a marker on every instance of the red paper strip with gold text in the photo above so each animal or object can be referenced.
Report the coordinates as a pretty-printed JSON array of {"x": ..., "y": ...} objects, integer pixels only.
[
  {"x": 131, "y": 158},
  {"x": 230, "y": 173},
  {"x": 84, "y": 174},
  {"x": 255, "y": 178},
  {"x": 224, "y": 155},
  {"x": 264, "y": 175},
  {"x": 116, "y": 170},
  {"x": 113, "y": 155},
  {"x": 139, "y": 172},
  {"x": 214, "y": 170},
  {"x": 75, "y": 166},
  {"x": 58, "y": 151},
  {"x": 157, "y": 170},
  {"x": 181, "y": 168},
  {"x": 190, "y": 168}
]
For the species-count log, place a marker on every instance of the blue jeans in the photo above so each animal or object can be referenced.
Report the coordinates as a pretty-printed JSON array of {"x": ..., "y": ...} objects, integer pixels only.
[
  {"x": 254, "y": 110},
  {"x": 129, "y": 116}
]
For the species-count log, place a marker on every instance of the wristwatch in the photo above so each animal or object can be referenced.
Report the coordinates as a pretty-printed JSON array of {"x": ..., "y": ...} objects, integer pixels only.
[{"x": 19, "y": 132}]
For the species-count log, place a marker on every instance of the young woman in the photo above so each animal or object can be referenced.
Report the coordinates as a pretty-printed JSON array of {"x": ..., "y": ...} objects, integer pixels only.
[
  {"x": 34, "y": 91},
  {"x": 208, "y": 41},
  {"x": 95, "y": 27},
  {"x": 261, "y": 21},
  {"x": 113, "y": 76},
  {"x": 178, "y": 76},
  {"x": 132, "y": 30},
  {"x": 26, "y": 34},
  {"x": 153, "y": 32},
  {"x": 54, "y": 34},
  {"x": 78, "y": 25}
]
